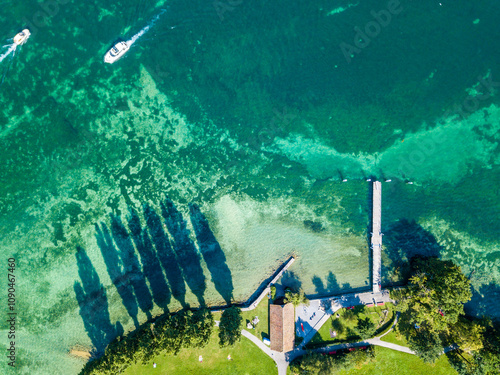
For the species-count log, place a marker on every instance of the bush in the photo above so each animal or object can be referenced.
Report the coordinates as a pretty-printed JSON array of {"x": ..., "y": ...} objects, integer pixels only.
[
  {"x": 349, "y": 316},
  {"x": 365, "y": 328},
  {"x": 337, "y": 326},
  {"x": 273, "y": 292}
]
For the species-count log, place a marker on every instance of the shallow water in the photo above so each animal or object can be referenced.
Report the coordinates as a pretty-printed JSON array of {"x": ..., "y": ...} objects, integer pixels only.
[{"x": 251, "y": 112}]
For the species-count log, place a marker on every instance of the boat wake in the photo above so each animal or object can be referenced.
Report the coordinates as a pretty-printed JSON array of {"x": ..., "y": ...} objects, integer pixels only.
[
  {"x": 120, "y": 48},
  {"x": 144, "y": 30},
  {"x": 18, "y": 40},
  {"x": 11, "y": 50}
]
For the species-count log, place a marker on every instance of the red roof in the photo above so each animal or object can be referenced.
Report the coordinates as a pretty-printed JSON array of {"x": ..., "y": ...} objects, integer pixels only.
[{"x": 282, "y": 324}]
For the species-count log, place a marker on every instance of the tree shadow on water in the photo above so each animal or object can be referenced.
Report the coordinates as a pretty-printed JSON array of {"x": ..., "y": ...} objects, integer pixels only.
[
  {"x": 332, "y": 286},
  {"x": 212, "y": 254},
  {"x": 405, "y": 240},
  {"x": 484, "y": 301},
  {"x": 116, "y": 271},
  {"x": 93, "y": 302},
  {"x": 187, "y": 255},
  {"x": 165, "y": 254},
  {"x": 290, "y": 280},
  {"x": 131, "y": 265},
  {"x": 150, "y": 264}
]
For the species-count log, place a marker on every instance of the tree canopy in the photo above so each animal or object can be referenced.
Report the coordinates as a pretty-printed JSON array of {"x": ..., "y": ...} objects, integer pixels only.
[
  {"x": 426, "y": 344},
  {"x": 435, "y": 295},
  {"x": 319, "y": 364},
  {"x": 200, "y": 329},
  {"x": 312, "y": 364},
  {"x": 365, "y": 328},
  {"x": 296, "y": 298},
  {"x": 230, "y": 326},
  {"x": 468, "y": 334},
  {"x": 431, "y": 305},
  {"x": 485, "y": 361},
  {"x": 167, "y": 334}
]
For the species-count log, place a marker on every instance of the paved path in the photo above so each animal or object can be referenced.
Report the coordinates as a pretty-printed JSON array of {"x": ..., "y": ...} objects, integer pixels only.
[
  {"x": 282, "y": 360},
  {"x": 376, "y": 240},
  {"x": 375, "y": 341},
  {"x": 324, "y": 308},
  {"x": 390, "y": 345},
  {"x": 311, "y": 318},
  {"x": 279, "y": 358}
]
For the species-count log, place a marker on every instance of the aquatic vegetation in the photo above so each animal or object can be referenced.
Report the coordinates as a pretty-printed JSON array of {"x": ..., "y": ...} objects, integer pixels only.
[{"x": 248, "y": 125}]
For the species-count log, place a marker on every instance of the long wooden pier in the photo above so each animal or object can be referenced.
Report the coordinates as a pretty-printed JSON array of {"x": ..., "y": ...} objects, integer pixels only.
[{"x": 376, "y": 239}]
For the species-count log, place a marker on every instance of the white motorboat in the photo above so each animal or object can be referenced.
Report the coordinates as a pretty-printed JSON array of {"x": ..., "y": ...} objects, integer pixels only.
[
  {"x": 116, "y": 52},
  {"x": 22, "y": 37}
]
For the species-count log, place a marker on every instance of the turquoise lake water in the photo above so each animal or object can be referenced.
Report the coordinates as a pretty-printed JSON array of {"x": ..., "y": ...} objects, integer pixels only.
[{"x": 189, "y": 170}]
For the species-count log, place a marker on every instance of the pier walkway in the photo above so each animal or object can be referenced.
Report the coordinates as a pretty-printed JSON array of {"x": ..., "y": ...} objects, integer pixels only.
[
  {"x": 309, "y": 319},
  {"x": 376, "y": 239},
  {"x": 267, "y": 288}
]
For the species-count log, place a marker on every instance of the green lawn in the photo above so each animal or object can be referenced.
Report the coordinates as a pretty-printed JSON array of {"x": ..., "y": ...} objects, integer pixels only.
[
  {"x": 389, "y": 361},
  {"x": 375, "y": 313},
  {"x": 247, "y": 359},
  {"x": 395, "y": 338},
  {"x": 262, "y": 311}
]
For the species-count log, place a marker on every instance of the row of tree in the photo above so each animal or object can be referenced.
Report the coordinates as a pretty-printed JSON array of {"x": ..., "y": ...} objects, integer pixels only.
[
  {"x": 432, "y": 316},
  {"x": 320, "y": 364},
  {"x": 167, "y": 335}
]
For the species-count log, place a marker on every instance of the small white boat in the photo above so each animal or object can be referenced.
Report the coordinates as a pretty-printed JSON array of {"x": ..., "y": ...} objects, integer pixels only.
[
  {"x": 116, "y": 52},
  {"x": 22, "y": 37}
]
